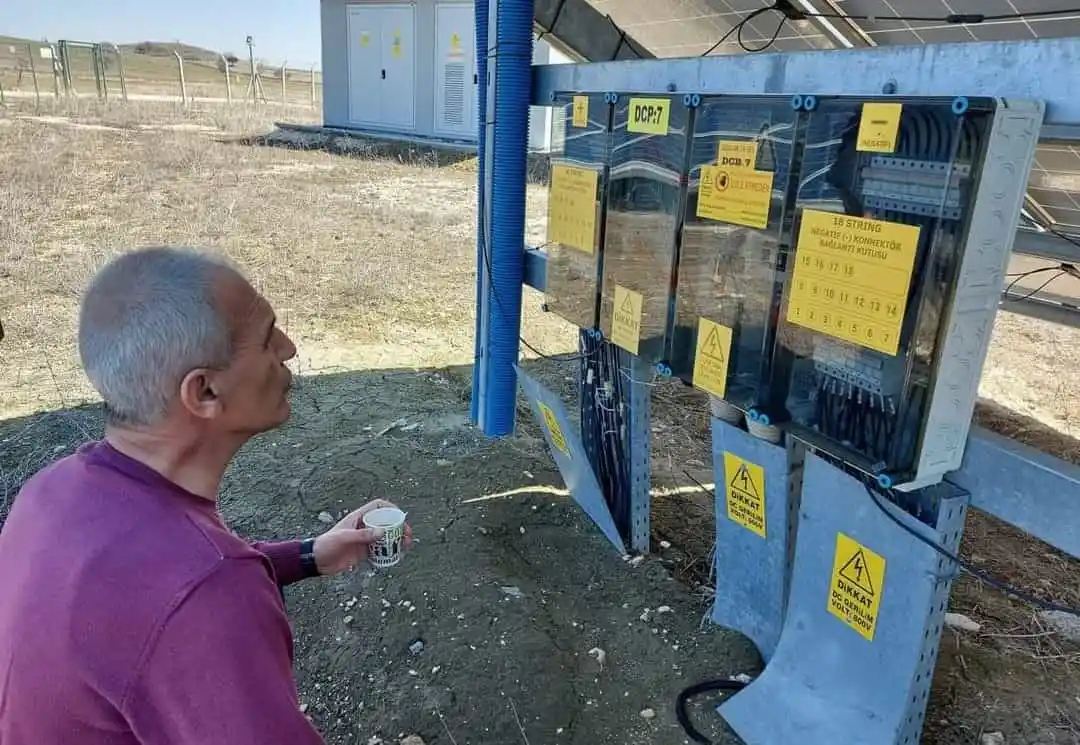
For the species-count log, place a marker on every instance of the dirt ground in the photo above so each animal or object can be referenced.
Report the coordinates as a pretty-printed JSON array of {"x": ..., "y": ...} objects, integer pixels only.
[{"x": 370, "y": 264}]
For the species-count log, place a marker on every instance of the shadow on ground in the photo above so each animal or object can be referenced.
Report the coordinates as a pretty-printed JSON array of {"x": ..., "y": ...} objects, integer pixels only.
[
  {"x": 509, "y": 586},
  {"x": 343, "y": 142}
]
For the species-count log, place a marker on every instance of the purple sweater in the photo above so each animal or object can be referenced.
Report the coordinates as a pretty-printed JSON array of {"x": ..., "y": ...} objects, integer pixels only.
[{"x": 129, "y": 614}]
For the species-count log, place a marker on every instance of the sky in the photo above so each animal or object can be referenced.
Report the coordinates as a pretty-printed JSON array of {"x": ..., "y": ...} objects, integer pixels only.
[{"x": 282, "y": 29}]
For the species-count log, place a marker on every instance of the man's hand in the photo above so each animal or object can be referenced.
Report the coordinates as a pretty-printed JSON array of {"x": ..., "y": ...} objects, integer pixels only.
[{"x": 346, "y": 544}]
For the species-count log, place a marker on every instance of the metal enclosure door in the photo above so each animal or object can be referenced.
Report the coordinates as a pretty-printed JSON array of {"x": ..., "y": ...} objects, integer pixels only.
[
  {"x": 364, "y": 28},
  {"x": 398, "y": 67},
  {"x": 455, "y": 70}
]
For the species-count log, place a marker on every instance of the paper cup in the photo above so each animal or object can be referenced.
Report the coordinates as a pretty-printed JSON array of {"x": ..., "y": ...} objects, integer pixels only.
[{"x": 386, "y": 552}]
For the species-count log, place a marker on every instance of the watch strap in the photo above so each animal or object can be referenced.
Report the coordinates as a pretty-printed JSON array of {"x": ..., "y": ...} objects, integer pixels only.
[{"x": 307, "y": 558}]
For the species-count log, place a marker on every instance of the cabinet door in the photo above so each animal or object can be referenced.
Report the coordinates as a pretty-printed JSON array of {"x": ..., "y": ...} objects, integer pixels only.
[
  {"x": 455, "y": 70},
  {"x": 365, "y": 64},
  {"x": 398, "y": 62}
]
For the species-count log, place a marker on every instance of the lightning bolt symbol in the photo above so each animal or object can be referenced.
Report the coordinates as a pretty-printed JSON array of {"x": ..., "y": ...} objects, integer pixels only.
[{"x": 858, "y": 568}]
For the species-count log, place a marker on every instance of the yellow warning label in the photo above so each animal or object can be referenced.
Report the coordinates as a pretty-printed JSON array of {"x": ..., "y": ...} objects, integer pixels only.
[
  {"x": 711, "y": 360},
  {"x": 745, "y": 493},
  {"x": 879, "y": 126},
  {"x": 736, "y": 196},
  {"x": 851, "y": 278},
  {"x": 581, "y": 111},
  {"x": 552, "y": 422},
  {"x": 736, "y": 155},
  {"x": 365, "y": 39},
  {"x": 649, "y": 116},
  {"x": 858, "y": 579},
  {"x": 396, "y": 46},
  {"x": 626, "y": 319},
  {"x": 455, "y": 41},
  {"x": 572, "y": 207}
]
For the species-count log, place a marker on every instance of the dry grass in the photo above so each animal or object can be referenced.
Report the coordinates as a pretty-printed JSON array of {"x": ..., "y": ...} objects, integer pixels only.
[{"x": 369, "y": 262}]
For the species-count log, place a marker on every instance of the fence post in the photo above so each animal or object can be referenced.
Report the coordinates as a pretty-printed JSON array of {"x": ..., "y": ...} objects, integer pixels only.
[
  {"x": 183, "y": 83},
  {"x": 120, "y": 68},
  {"x": 97, "y": 56},
  {"x": 33, "y": 76},
  {"x": 55, "y": 72},
  {"x": 284, "y": 65},
  {"x": 228, "y": 79},
  {"x": 313, "y": 85}
]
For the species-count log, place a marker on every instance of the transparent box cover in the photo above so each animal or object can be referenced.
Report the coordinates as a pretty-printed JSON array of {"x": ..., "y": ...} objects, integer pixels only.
[
  {"x": 644, "y": 208},
  {"x": 728, "y": 289},
  {"x": 580, "y": 132},
  {"x": 884, "y": 190}
]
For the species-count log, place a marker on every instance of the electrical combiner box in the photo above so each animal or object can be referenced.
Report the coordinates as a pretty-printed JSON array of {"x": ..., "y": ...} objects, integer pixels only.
[
  {"x": 729, "y": 290},
  {"x": 581, "y": 131},
  {"x": 644, "y": 209},
  {"x": 904, "y": 221}
]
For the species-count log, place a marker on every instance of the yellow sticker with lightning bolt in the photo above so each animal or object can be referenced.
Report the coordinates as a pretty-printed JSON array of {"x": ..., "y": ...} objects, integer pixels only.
[{"x": 858, "y": 580}]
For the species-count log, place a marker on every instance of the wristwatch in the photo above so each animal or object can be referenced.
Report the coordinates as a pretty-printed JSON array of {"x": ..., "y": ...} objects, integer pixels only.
[{"x": 307, "y": 558}]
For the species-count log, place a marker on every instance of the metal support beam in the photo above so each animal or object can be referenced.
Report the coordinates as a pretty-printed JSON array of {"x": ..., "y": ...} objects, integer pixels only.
[
  {"x": 580, "y": 28},
  {"x": 973, "y": 69},
  {"x": 1028, "y": 489},
  {"x": 1046, "y": 246}
]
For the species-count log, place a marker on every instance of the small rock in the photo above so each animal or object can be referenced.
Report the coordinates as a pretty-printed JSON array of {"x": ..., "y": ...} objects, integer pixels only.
[
  {"x": 992, "y": 738},
  {"x": 443, "y": 462},
  {"x": 637, "y": 560},
  {"x": 326, "y": 517},
  {"x": 528, "y": 474},
  {"x": 664, "y": 609},
  {"x": 665, "y": 544},
  {"x": 522, "y": 530},
  {"x": 648, "y": 714},
  {"x": 599, "y": 654},
  {"x": 411, "y": 740},
  {"x": 742, "y": 678},
  {"x": 1064, "y": 623},
  {"x": 385, "y": 603},
  {"x": 514, "y": 592},
  {"x": 960, "y": 622},
  {"x": 417, "y": 646},
  {"x": 348, "y": 620}
]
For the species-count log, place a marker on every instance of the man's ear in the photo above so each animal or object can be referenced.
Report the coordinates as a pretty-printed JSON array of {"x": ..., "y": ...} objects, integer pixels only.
[{"x": 198, "y": 394}]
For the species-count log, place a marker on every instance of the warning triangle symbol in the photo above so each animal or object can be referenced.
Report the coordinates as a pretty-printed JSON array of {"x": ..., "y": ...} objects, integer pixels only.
[
  {"x": 857, "y": 573},
  {"x": 627, "y": 304},
  {"x": 742, "y": 481},
  {"x": 713, "y": 348}
]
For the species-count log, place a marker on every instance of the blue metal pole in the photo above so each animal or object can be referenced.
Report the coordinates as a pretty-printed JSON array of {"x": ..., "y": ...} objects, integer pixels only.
[
  {"x": 480, "y": 8},
  {"x": 502, "y": 213}
]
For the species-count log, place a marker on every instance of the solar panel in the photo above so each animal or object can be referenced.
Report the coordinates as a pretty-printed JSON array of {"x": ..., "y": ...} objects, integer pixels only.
[{"x": 688, "y": 28}]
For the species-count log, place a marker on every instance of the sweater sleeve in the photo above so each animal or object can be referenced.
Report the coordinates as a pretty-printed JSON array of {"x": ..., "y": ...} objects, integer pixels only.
[
  {"x": 218, "y": 671},
  {"x": 285, "y": 556}
]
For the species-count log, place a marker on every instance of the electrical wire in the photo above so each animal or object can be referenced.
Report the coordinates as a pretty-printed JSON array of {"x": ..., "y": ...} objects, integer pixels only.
[
  {"x": 789, "y": 12},
  {"x": 973, "y": 571}
]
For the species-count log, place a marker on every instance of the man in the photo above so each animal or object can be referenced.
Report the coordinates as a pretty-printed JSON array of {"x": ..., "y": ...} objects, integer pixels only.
[{"x": 129, "y": 614}]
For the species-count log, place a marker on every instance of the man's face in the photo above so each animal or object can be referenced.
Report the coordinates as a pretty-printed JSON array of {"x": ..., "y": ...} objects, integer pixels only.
[{"x": 253, "y": 391}]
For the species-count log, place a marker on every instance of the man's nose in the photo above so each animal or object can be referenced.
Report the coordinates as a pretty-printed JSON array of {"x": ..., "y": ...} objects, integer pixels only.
[{"x": 287, "y": 348}]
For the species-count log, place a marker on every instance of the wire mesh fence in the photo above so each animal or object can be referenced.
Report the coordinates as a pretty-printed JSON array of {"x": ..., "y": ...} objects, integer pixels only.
[{"x": 69, "y": 69}]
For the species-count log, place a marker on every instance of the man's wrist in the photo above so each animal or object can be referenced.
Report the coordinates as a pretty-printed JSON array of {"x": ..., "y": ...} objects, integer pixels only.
[{"x": 308, "y": 565}]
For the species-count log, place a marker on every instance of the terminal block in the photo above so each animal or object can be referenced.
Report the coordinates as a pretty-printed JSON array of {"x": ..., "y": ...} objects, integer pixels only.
[
  {"x": 581, "y": 130},
  {"x": 644, "y": 210},
  {"x": 730, "y": 249},
  {"x": 903, "y": 225}
]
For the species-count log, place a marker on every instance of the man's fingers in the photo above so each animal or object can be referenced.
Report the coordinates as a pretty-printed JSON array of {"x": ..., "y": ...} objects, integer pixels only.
[{"x": 366, "y": 535}]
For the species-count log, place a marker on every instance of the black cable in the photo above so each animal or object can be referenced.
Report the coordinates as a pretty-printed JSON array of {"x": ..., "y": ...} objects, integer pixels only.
[
  {"x": 973, "y": 571},
  {"x": 790, "y": 13},
  {"x": 696, "y": 690}
]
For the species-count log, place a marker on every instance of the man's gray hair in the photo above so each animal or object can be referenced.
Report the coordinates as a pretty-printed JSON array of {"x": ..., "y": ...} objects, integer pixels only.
[{"x": 148, "y": 318}]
